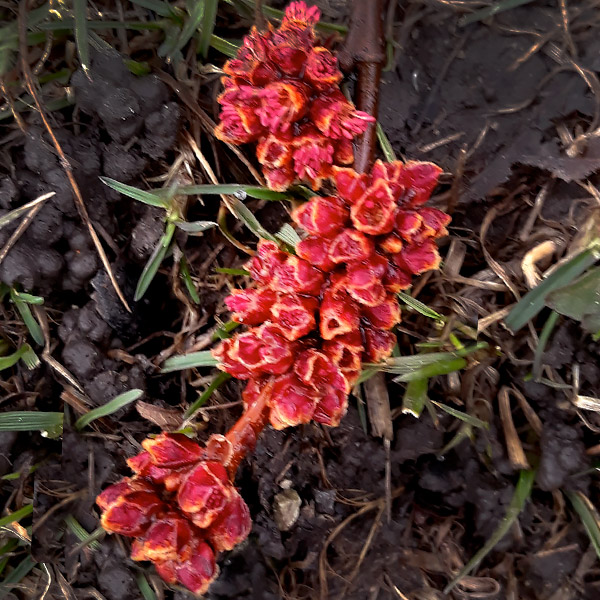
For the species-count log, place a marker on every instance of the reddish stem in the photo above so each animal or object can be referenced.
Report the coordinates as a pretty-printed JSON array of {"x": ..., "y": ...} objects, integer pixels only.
[{"x": 248, "y": 427}]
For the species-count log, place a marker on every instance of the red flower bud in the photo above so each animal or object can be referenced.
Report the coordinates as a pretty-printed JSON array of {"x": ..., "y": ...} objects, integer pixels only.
[
  {"x": 204, "y": 493},
  {"x": 434, "y": 222},
  {"x": 338, "y": 315},
  {"x": 337, "y": 118},
  {"x": 166, "y": 539},
  {"x": 233, "y": 525},
  {"x": 297, "y": 275},
  {"x": 322, "y": 216},
  {"x": 372, "y": 295},
  {"x": 385, "y": 315},
  {"x": 296, "y": 315},
  {"x": 321, "y": 69},
  {"x": 199, "y": 571},
  {"x": 284, "y": 102},
  {"x": 351, "y": 245},
  {"x": 299, "y": 14},
  {"x": 332, "y": 407},
  {"x": 268, "y": 257},
  {"x": 419, "y": 179},
  {"x": 292, "y": 402},
  {"x": 374, "y": 212},
  {"x": 351, "y": 185},
  {"x": 417, "y": 259},
  {"x": 379, "y": 344},
  {"x": 131, "y": 513},
  {"x": 252, "y": 306},
  {"x": 315, "y": 250},
  {"x": 172, "y": 450},
  {"x": 345, "y": 351}
]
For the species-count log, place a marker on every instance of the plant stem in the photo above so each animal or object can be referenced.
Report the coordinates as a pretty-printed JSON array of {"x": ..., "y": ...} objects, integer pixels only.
[
  {"x": 248, "y": 427},
  {"x": 364, "y": 50}
]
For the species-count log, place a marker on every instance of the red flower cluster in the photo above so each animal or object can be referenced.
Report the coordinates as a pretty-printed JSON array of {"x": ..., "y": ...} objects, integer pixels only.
[
  {"x": 282, "y": 91},
  {"x": 180, "y": 507},
  {"x": 318, "y": 315}
]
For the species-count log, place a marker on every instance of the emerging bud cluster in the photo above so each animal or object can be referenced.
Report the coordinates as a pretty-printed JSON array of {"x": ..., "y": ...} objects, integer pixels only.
[
  {"x": 318, "y": 315},
  {"x": 282, "y": 91},
  {"x": 180, "y": 507}
]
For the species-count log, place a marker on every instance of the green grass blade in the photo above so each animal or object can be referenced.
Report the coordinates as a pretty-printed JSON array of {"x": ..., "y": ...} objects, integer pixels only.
[
  {"x": 589, "y": 517},
  {"x": 109, "y": 408},
  {"x": 12, "y": 359},
  {"x": 195, "y": 227},
  {"x": 245, "y": 215},
  {"x": 520, "y": 497},
  {"x": 189, "y": 361},
  {"x": 191, "y": 24},
  {"x": 29, "y": 420},
  {"x": 224, "y": 331},
  {"x": 440, "y": 367},
  {"x": 531, "y": 304},
  {"x": 208, "y": 25},
  {"x": 16, "y": 575},
  {"x": 544, "y": 336},
  {"x": 28, "y": 298},
  {"x": 16, "y": 516},
  {"x": 81, "y": 33},
  {"x": 227, "y": 47},
  {"x": 158, "y": 255},
  {"x": 415, "y": 397},
  {"x": 419, "y": 306},
  {"x": 465, "y": 417},
  {"x": 32, "y": 325},
  {"x": 151, "y": 198},
  {"x": 145, "y": 589},
  {"x": 83, "y": 536},
  {"x": 184, "y": 270},
  {"x": 228, "y": 271},
  {"x": 287, "y": 234},
  {"x": 232, "y": 188},
  {"x": 384, "y": 143},
  {"x": 17, "y": 212},
  {"x": 219, "y": 380}
]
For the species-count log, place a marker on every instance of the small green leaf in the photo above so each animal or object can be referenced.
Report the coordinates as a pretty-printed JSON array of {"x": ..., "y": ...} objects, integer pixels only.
[
  {"x": 244, "y": 214},
  {"x": 28, "y": 298},
  {"x": 544, "y": 336},
  {"x": 224, "y": 331},
  {"x": 32, "y": 325},
  {"x": 16, "y": 575},
  {"x": 231, "y": 188},
  {"x": 520, "y": 497},
  {"x": 150, "y": 198},
  {"x": 158, "y": 6},
  {"x": 30, "y": 420},
  {"x": 109, "y": 408},
  {"x": 440, "y": 367},
  {"x": 531, "y": 304},
  {"x": 12, "y": 359},
  {"x": 189, "y": 361}
]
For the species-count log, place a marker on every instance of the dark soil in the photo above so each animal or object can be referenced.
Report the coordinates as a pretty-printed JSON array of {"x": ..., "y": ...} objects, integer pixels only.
[{"x": 492, "y": 108}]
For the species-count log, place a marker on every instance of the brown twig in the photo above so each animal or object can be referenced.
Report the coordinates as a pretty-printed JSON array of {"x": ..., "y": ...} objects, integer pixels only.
[{"x": 364, "y": 50}]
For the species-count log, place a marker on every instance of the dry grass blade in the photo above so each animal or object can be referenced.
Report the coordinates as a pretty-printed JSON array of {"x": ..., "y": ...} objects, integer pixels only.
[
  {"x": 516, "y": 453},
  {"x": 66, "y": 165}
]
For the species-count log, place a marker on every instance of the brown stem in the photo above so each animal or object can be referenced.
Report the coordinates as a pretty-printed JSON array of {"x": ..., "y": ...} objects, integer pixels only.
[
  {"x": 364, "y": 50},
  {"x": 248, "y": 427}
]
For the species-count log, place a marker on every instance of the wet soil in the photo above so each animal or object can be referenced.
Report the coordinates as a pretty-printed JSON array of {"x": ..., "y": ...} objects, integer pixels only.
[{"x": 490, "y": 102}]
